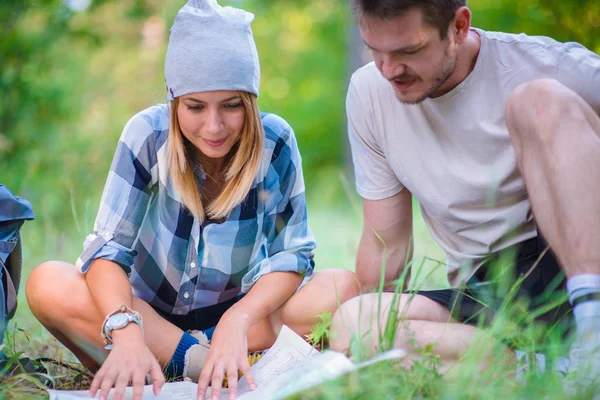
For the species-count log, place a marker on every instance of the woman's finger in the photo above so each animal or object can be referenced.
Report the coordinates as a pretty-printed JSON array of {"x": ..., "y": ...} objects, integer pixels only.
[
  {"x": 204, "y": 379},
  {"x": 138, "y": 381},
  {"x": 120, "y": 385},
  {"x": 98, "y": 378},
  {"x": 232, "y": 380},
  {"x": 158, "y": 378},
  {"x": 107, "y": 383},
  {"x": 247, "y": 371},
  {"x": 217, "y": 381}
]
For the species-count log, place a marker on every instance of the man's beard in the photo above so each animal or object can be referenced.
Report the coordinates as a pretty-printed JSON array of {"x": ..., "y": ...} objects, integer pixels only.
[{"x": 448, "y": 65}]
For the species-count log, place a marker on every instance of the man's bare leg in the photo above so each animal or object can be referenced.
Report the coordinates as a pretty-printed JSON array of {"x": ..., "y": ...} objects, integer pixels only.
[
  {"x": 423, "y": 322},
  {"x": 556, "y": 135}
]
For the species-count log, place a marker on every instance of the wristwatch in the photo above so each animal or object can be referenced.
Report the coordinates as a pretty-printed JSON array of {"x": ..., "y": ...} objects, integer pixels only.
[{"x": 119, "y": 319}]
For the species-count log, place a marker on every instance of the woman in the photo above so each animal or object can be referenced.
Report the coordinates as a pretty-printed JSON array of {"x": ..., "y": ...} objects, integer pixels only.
[{"x": 202, "y": 226}]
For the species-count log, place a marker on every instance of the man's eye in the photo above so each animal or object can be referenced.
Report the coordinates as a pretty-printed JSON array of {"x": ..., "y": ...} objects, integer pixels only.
[{"x": 410, "y": 52}]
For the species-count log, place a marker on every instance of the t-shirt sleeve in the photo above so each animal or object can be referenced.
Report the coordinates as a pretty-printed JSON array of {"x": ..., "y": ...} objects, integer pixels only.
[
  {"x": 579, "y": 69},
  {"x": 375, "y": 180}
]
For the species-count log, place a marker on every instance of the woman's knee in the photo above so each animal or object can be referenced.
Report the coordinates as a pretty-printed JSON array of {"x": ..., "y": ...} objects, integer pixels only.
[
  {"x": 50, "y": 285},
  {"x": 323, "y": 294},
  {"x": 346, "y": 284}
]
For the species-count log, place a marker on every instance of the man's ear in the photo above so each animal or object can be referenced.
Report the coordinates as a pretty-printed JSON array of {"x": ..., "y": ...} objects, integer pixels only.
[{"x": 461, "y": 24}]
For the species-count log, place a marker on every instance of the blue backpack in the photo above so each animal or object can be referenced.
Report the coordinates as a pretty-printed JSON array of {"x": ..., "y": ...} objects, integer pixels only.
[{"x": 14, "y": 211}]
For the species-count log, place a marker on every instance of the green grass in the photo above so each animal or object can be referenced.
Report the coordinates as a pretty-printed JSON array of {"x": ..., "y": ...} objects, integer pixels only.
[{"x": 337, "y": 231}]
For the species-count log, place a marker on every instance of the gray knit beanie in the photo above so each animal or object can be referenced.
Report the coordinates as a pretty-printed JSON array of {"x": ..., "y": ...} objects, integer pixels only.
[{"x": 211, "y": 48}]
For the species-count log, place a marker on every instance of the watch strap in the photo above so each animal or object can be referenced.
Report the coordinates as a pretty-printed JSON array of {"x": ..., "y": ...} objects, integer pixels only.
[{"x": 133, "y": 316}]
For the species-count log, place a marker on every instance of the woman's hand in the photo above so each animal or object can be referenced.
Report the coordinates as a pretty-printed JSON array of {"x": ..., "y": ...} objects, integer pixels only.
[
  {"x": 228, "y": 353},
  {"x": 130, "y": 360}
]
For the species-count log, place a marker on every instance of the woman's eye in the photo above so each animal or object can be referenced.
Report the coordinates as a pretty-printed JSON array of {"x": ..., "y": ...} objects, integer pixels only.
[
  {"x": 233, "y": 105},
  {"x": 194, "y": 108}
]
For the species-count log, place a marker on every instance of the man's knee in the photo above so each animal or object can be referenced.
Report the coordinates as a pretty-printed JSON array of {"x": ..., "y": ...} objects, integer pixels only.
[
  {"x": 545, "y": 94},
  {"x": 534, "y": 107},
  {"x": 361, "y": 318},
  {"x": 355, "y": 317},
  {"x": 368, "y": 312}
]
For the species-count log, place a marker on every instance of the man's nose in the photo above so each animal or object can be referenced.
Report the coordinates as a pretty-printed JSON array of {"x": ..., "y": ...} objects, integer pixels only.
[{"x": 391, "y": 68}]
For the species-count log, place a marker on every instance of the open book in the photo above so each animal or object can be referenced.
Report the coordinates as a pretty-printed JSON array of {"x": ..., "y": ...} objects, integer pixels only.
[{"x": 288, "y": 367}]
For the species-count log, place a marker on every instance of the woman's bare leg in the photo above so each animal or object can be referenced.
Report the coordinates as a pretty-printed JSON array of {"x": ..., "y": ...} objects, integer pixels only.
[
  {"x": 59, "y": 298},
  {"x": 323, "y": 293}
]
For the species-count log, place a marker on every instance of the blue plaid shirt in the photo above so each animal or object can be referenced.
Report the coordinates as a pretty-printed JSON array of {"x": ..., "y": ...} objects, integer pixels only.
[{"x": 177, "y": 264}]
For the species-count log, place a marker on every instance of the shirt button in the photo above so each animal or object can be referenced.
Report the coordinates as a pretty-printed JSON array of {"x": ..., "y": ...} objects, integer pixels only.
[
  {"x": 193, "y": 265},
  {"x": 186, "y": 295}
]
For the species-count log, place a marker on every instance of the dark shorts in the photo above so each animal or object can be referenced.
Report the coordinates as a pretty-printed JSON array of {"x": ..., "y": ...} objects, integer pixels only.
[
  {"x": 487, "y": 291},
  {"x": 201, "y": 319}
]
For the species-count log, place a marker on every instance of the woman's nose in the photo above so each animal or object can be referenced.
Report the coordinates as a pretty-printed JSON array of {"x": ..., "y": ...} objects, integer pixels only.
[{"x": 214, "y": 123}]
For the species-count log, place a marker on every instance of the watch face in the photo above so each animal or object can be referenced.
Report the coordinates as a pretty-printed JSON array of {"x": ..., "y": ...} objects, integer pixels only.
[{"x": 118, "y": 321}]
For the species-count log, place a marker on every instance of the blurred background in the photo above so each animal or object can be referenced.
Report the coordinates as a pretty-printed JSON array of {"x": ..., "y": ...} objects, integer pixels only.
[{"x": 72, "y": 72}]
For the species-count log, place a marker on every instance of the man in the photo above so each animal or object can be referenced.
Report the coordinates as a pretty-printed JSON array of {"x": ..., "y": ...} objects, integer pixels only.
[{"x": 498, "y": 137}]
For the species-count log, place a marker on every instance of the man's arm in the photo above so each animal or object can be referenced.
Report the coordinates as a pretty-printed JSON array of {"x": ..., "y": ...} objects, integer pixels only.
[{"x": 391, "y": 219}]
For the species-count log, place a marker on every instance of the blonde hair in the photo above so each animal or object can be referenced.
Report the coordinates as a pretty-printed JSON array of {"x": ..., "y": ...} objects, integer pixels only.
[{"x": 242, "y": 165}]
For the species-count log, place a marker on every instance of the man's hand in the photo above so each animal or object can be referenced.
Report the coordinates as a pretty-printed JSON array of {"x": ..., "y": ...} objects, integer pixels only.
[
  {"x": 228, "y": 353},
  {"x": 130, "y": 360}
]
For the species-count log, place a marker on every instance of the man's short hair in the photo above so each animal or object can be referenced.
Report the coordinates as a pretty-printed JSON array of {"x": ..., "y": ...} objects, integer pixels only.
[{"x": 437, "y": 13}]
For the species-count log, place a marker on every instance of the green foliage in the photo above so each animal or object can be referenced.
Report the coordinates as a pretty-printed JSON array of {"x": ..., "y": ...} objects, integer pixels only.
[
  {"x": 571, "y": 20},
  {"x": 71, "y": 80},
  {"x": 422, "y": 378},
  {"x": 319, "y": 336},
  {"x": 16, "y": 382},
  {"x": 486, "y": 371},
  {"x": 384, "y": 380},
  {"x": 62, "y": 373},
  {"x": 50, "y": 93},
  {"x": 302, "y": 45}
]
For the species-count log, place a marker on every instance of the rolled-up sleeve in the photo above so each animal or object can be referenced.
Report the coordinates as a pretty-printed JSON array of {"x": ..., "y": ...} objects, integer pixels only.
[
  {"x": 291, "y": 243},
  {"x": 125, "y": 198}
]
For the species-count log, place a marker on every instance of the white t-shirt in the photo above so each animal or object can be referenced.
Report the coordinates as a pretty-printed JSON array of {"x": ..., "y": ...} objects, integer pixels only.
[{"x": 453, "y": 152}]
